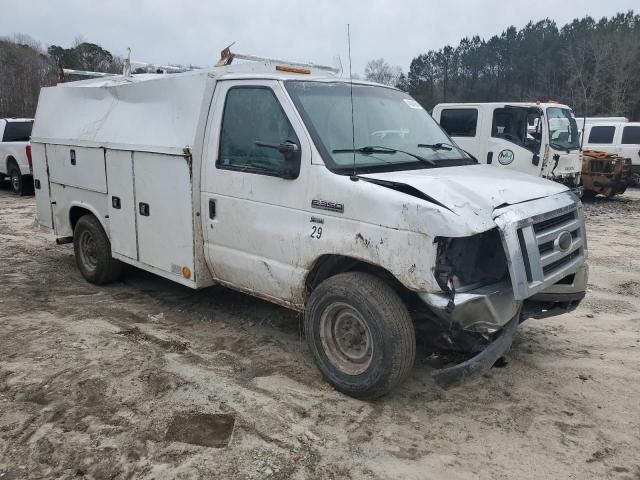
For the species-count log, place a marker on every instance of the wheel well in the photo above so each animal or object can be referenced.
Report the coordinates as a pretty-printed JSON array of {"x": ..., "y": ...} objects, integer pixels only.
[
  {"x": 75, "y": 213},
  {"x": 329, "y": 265},
  {"x": 11, "y": 160}
]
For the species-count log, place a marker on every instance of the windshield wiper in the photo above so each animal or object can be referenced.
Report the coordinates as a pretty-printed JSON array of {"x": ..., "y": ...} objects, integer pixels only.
[
  {"x": 369, "y": 149},
  {"x": 437, "y": 146},
  {"x": 378, "y": 149}
]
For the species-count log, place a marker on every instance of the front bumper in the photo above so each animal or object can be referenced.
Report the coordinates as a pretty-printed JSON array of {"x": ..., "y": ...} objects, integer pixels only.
[
  {"x": 484, "y": 311},
  {"x": 479, "y": 364}
]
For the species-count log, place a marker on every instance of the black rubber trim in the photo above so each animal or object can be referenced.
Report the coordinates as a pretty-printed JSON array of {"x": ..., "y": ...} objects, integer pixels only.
[{"x": 476, "y": 366}]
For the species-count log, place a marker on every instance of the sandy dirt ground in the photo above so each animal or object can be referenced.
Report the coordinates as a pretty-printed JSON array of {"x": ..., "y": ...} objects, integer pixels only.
[{"x": 144, "y": 378}]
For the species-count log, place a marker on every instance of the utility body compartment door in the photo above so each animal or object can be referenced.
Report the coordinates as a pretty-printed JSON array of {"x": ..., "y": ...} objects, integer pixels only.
[
  {"x": 164, "y": 213},
  {"x": 41, "y": 183},
  {"x": 79, "y": 167},
  {"x": 122, "y": 206}
]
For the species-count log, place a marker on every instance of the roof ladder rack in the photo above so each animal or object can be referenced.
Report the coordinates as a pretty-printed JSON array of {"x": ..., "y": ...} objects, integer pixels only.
[{"x": 227, "y": 57}]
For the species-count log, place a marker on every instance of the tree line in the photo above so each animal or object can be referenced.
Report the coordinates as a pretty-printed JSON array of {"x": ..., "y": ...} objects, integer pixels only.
[
  {"x": 593, "y": 66},
  {"x": 26, "y": 67}
]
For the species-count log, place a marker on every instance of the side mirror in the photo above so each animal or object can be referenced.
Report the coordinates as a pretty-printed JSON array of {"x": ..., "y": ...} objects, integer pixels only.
[
  {"x": 536, "y": 159},
  {"x": 292, "y": 155}
]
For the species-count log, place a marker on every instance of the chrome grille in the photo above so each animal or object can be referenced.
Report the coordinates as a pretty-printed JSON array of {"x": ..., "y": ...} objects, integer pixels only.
[{"x": 543, "y": 247}]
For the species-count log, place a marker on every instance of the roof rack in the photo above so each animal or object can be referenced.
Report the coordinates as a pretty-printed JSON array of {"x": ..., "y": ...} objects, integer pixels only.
[{"x": 227, "y": 57}]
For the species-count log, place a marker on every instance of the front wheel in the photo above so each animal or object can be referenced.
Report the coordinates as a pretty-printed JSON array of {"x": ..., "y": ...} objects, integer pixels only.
[
  {"x": 360, "y": 334},
  {"x": 93, "y": 252}
]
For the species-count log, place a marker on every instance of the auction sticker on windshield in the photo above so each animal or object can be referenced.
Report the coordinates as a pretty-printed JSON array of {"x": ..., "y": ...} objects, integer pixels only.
[{"x": 505, "y": 157}]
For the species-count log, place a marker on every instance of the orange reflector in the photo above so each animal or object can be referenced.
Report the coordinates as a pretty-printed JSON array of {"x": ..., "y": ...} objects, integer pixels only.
[
  {"x": 186, "y": 272},
  {"x": 285, "y": 68}
]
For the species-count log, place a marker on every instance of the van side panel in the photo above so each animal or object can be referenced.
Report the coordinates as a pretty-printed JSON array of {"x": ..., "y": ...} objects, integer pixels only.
[
  {"x": 65, "y": 198},
  {"x": 41, "y": 181},
  {"x": 80, "y": 167},
  {"x": 121, "y": 203},
  {"x": 164, "y": 212}
]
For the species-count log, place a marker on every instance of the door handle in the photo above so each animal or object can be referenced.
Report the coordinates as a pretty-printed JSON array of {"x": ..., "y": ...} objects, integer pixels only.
[
  {"x": 212, "y": 208},
  {"x": 143, "y": 208},
  {"x": 489, "y": 158},
  {"x": 116, "y": 203},
  {"x": 72, "y": 156}
]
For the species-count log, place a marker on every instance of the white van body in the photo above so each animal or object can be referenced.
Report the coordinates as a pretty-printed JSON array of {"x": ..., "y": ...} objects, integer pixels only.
[
  {"x": 621, "y": 138},
  {"x": 144, "y": 155},
  {"x": 539, "y": 139}
]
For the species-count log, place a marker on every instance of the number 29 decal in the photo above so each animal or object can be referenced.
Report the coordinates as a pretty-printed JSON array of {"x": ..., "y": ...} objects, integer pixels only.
[{"x": 316, "y": 232}]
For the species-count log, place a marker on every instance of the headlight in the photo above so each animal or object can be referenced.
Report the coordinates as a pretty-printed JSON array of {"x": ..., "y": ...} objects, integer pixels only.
[{"x": 470, "y": 262}]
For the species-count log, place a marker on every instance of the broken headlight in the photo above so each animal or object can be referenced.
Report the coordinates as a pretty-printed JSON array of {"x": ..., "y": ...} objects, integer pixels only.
[{"x": 470, "y": 262}]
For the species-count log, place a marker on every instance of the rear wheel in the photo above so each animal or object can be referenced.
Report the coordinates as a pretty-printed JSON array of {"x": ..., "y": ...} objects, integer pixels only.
[
  {"x": 16, "y": 180},
  {"x": 360, "y": 334},
  {"x": 93, "y": 252}
]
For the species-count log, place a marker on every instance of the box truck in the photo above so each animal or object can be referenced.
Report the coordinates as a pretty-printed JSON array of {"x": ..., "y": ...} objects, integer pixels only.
[{"x": 344, "y": 201}]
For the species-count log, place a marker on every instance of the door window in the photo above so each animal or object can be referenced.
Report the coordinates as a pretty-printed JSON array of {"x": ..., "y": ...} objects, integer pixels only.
[
  {"x": 512, "y": 124},
  {"x": 631, "y": 136},
  {"x": 459, "y": 122},
  {"x": 253, "y": 126},
  {"x": 602, "y": 135}
]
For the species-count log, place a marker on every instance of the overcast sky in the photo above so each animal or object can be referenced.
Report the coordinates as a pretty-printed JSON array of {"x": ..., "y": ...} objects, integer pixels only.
[{"x": 194, "y": 31}]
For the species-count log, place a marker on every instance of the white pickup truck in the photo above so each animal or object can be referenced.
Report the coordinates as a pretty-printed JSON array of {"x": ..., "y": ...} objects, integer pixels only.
[
  {"x": 260, "y": 176},
  {"x": 15, "y": 154}
]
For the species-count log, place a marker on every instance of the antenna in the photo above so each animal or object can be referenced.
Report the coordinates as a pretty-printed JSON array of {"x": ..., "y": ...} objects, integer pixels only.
[{"x": 354, "y": 177}]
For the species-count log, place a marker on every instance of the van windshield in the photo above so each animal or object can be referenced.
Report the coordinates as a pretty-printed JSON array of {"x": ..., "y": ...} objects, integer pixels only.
[
  {"x": 563, "y": 130},
  {"x": 392, "y": 131}
]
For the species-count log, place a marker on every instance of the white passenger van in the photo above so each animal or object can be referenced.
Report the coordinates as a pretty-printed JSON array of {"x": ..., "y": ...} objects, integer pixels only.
[
  {"x": 253, "y": 176},
  {"x": 620, "y": 138},
  {"x": 539, "y": 139}
]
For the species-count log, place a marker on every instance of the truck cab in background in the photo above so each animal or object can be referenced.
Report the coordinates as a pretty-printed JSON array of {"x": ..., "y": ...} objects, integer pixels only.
[
  {"x": 540, "y": 139},
  {"x": 15, "y": 154}
]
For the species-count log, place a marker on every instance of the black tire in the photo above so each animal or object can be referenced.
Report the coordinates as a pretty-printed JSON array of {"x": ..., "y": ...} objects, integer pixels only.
[
  {"x": 376, "y": 350},
  {"x": 93, "y": 252},
  {"x": 18, "y": 183}
]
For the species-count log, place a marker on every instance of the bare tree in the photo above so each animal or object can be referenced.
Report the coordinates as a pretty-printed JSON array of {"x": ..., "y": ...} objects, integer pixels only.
[
  {"x": 380, "y": 71},
  {"x": 24, "y": 68}
]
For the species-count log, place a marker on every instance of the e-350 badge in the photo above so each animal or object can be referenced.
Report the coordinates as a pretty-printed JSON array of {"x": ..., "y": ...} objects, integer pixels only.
[{"x": 326, "y": 205}]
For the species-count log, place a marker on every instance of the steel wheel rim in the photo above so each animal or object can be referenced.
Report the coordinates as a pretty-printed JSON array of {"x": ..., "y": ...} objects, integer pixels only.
[
  {"x": 346, "y": 338},
  {"x": 88, "y": 251},
  {"x": 15, "y": 182}
]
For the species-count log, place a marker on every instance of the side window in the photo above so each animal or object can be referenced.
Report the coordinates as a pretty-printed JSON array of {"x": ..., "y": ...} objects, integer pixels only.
[
  {"x": 631, "y": 136},
  {"x": 253, "y": 127},
  {"x": 603, "y": 134},
  {"x": 513, "y": 124},
  {"x": 459, "y": 122},
  {"x": 17, "y": 131}
]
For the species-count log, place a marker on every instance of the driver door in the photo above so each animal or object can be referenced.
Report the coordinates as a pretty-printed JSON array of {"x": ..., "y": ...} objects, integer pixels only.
[
  {"x": 254, "y": 195},
  {"x": 515, "y": 140}
]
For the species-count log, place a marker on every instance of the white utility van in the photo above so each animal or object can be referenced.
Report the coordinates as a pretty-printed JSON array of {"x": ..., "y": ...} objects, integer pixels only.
[
  {"x": 539, "y": 139},
  {"x": 621, "y": 138},
  {"x": 247, "y": 176}
]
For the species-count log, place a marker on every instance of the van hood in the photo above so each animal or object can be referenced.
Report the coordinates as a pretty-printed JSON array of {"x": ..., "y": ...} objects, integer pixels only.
[{"x": 476, "y": 188}]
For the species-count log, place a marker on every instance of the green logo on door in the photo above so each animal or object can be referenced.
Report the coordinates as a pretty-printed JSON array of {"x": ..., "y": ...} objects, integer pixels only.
[{"x": 505, "y": 157}]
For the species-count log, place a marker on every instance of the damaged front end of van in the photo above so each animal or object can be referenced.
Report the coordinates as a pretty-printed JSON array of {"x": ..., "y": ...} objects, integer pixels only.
[{"x": 531, "y": 265}]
